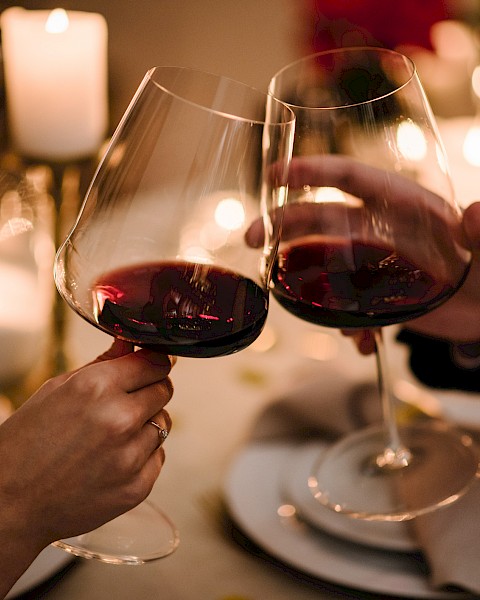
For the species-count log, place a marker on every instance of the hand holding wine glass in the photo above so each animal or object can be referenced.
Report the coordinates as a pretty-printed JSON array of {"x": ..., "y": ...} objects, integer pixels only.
[
  {"x": 383, "y": 244},
  {"x": 458, "y": 319},
  {"x": 157, "y": 256},
  {"x": 81, "y": 430}
]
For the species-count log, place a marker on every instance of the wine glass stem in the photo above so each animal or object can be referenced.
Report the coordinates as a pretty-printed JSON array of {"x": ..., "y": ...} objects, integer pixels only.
[{"x": 395, "y": 455}]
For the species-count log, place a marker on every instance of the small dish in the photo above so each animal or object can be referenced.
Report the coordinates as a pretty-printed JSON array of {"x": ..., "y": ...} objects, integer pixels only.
[
  {"x": 393, "y": 536},
  {"x": 255, "y": 502}
]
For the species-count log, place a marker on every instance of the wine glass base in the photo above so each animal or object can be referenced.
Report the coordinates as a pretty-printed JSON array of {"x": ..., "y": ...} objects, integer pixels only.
[
  {"x": 348, "y": 480},
  {"x": 141, "y": 535}
]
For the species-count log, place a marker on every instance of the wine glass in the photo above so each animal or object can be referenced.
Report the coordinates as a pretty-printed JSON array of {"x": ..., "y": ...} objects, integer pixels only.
[
  {"x": 372, "y": 237},
  {"x": 157, "y": 255}
]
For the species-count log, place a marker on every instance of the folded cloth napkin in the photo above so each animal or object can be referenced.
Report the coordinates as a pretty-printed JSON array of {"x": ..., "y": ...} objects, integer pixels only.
[{"x": 449, "y": 538}]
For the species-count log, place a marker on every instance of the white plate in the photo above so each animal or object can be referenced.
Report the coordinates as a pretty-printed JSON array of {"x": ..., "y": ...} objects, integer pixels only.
[
  {"x": 390, "y": 536},
  {"x": 48, "y": 562},
  {"x": 253, "y": 496}
]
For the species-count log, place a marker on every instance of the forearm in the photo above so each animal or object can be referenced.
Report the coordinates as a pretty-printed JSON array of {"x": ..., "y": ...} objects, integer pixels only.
[
  {"x": 17, "y": 552},
  {"x": 22, "y": 535}
]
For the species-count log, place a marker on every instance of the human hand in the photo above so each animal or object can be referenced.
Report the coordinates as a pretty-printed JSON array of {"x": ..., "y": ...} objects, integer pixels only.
[
  {"x": 80, "y": 451},
  {"x": 458, "y": 320},
  {"x": 380, "y": 207},
  {"x": 370, "y": 191}
]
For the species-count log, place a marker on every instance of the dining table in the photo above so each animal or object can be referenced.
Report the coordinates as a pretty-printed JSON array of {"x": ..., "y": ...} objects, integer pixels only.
[
  {"x": 216, "y": 405},
  {"x": 220, "y": 484}
]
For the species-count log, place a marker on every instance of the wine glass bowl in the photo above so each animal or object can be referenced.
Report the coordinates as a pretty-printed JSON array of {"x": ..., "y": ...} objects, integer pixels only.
[
  {"x": 372, "y": 237},
  {"x": 162, "y": 226},
  {"x": 158, "y": 256}
]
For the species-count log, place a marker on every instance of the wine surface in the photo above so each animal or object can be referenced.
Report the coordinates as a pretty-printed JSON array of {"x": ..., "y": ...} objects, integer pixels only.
[
  {"x": 181, "y": 308},
  {"x": 353, "y": 284}
]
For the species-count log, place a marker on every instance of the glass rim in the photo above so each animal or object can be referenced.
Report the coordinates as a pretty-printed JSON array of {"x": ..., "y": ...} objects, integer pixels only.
[
  {"x": 348, "y": 49},
  {"x": 225, "y": 114}
]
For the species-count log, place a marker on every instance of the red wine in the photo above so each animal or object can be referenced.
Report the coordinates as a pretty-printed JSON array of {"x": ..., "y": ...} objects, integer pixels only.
[
  {"x": 181, "y": 308},
  {"x": 353, "y": 284}
]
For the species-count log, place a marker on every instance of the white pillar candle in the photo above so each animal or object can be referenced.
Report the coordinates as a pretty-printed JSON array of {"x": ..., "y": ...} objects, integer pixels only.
[{"x": 56, "y": 82}]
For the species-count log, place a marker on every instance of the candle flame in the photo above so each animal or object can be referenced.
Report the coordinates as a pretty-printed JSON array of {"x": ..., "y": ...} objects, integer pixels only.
[{"x": 57, "y": 21}]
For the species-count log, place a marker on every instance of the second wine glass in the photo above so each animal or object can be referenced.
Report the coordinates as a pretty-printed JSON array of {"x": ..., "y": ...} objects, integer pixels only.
[
  {"x": 157, "y": 256},
  {"x": 372, "y": 237}
]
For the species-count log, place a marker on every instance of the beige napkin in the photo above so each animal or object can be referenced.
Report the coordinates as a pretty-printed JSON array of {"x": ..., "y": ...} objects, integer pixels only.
[{"x": 449, "y": 538}]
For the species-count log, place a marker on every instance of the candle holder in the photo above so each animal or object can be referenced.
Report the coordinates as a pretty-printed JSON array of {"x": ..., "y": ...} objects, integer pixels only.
[
  {"x": 57, "y": 189},
  {"x": 26, "y": 287},
  {"x": 68, "y": 183}
]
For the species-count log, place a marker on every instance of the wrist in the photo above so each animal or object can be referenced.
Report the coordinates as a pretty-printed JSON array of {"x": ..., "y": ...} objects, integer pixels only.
[{"x": 17, "y": 553}]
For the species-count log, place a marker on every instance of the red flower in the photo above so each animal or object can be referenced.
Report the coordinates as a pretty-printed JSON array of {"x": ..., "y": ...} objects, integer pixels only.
[{"x": 374, "y": 22}]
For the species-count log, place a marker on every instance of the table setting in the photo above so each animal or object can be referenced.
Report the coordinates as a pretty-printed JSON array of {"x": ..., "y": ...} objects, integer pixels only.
[
  {"x": 420, "y": 559},
  {"x": 250, "y": 229},
  {"x": 230, "y": 513},
  {"x": 428, "y": 534},
  {"x": 424, "y": 482}
]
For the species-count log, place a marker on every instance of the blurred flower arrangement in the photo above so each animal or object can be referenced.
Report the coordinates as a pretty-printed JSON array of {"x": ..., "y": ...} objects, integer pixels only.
[
  {"x": 441, "y": 36},
  {"x": 375, "y": 22}
]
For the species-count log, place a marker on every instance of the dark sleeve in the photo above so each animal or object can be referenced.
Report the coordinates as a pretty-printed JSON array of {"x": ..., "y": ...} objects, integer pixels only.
[{"x": 440, "y": 364}]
